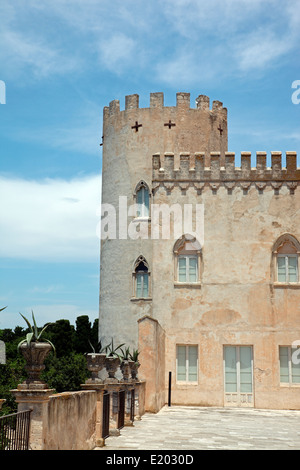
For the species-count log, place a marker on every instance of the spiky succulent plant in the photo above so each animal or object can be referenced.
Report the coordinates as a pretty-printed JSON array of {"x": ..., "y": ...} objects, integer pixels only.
[{"x": 34, "y": 335}]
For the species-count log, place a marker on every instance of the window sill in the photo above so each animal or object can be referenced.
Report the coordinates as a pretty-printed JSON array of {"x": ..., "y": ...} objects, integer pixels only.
[
  {"x": 194, "y": 285},
  {"x": 286, "y": 285},
  {"x": 137, "y": 299},
  {"x": 179, "y": 383},
  {"x": 291, "y": 385}
]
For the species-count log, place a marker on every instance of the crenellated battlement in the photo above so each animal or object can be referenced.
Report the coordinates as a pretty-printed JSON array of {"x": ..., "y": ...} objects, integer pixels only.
[
  {"x": 192, "y": 169},
  {"x": 162, "y": 128},
  {"x": 157, "y": 101}
]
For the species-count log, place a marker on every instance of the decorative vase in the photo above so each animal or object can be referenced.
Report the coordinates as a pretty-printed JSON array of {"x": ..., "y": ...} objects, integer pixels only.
[
  {"x": 95, "y": 363},
  {"x": 134, "y": 370},
  {"x": 35, "y": 354},
  {"x": 111, "y": 365},
  {"x": 126, "y": 370}
]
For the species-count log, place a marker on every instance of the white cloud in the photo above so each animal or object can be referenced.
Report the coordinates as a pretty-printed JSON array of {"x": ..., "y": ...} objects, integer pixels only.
[
  {"x": 117, "y": 52},
  {"x": 42, "y": 39},
  {"x": 84, "y": 139},
  {"x": 26, "y": 50},
  {"x": 218, "y": 37},
  {"x": 78, "y": 131},
  {"x": 52, "y": 220},
  {"x": 175, "y": 41},
  {"x": 224, "y": 39},
  {"x": 45, "y": 289},
  {"x": 261, "y": 49}
]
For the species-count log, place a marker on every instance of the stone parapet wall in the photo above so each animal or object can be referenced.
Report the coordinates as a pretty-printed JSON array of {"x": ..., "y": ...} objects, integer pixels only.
[
  {"x": 199, "y": 169},
  {"x": 70, "y": 422}
]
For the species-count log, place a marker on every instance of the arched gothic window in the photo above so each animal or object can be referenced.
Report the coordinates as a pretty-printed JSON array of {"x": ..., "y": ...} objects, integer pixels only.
[
  {"x": 141, "y": 276},
  {"x": 285, "y": 257},
  {"x": 142, "y": 195},
  {"x": 187, "y": 258}
]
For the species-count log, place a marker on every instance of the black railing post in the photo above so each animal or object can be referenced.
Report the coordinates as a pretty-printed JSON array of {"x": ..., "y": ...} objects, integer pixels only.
[
  {"x": 170, "y": 386},
  {"x": 121, "y": 409},
  {"x": 105, "y": 414}
]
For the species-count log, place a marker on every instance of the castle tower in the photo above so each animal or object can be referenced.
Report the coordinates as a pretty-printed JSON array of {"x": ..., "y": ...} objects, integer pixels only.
[
  {"x": 221, "y": 313},
  {"x": 131, "y": 140}
]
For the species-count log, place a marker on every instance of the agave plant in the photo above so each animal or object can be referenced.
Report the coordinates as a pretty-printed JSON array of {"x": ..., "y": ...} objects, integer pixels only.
[
  {"x": 35, "y": 335},
  {"x": 135, "y": 355},
  {"x": 97, "y": 348},
  {"x": 126, "y": 356},
  {"x": 2, "y": 309},
  {"x": 111, "y": 351}
]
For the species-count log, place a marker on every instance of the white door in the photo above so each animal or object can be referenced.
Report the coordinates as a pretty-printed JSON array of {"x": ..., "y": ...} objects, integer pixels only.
[{"x": 238, "y": 376}]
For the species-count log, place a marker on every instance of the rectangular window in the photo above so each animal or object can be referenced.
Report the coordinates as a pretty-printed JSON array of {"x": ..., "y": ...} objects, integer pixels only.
[
  {"x": 289, "y": 359},
  {"x": 143, "y": 202},
  {"x": 238, "y": 369},
  {"x": 287, "y": 268},
  {"x": 187, "y": 363},
  {"x": 142, "y": 285},
  {"x": 187, "y": 268}
]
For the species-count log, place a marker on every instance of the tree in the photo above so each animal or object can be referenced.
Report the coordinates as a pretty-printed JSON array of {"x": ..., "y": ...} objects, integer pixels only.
[
  {"x": 65, "y": 373},
  {"x": 62, "y": 335},
  {"x": 11, "y": 340},
  {"x": 94, "y": 333},
  {"x": 11, "y": 374},
  {"x": 83, "y": 334}
]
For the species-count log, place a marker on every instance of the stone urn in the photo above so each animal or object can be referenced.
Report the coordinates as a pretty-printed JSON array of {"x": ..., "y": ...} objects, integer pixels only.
[
  {"x": 95, "y": 364},
  {"x": 111, "y": 364},
  {"x": 134, "y": 370},
  {"x": 35, "y": 354},
  {"x": 126, "y": 367},
  {"x": 2, "y": 401}
]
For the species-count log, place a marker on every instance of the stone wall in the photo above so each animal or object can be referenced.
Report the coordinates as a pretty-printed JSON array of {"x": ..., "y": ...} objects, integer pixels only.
[
  {"x": 152, "y": 357},
  {"x": 127, "y": 159},
  {"x": 181, "y": 155},
  {"x": 70, "y": 421},
  {"x": 237, "y": 301}
]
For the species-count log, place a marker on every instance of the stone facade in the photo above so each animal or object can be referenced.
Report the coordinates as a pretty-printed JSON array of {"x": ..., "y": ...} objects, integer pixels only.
[{"x": 226, "y": 332}]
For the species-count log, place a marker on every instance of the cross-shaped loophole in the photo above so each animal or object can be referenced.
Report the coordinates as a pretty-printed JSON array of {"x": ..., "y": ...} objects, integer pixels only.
[{"x": 136, "y": 126}]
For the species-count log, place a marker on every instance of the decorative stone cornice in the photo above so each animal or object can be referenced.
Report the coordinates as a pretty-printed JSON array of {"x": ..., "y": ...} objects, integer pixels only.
[{"x": 192, "y": 172}]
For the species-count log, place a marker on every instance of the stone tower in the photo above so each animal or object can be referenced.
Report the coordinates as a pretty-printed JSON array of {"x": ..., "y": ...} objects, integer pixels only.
[
  {"x": 222, "y": 312},
  {"x": 134, "y": 140}
]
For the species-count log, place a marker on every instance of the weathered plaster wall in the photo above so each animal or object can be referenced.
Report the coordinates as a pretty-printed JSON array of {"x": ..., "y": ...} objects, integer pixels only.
[
  {"x": 127, "y": 159},
  {"x": 246, "y": 209},
  {"x": 70, "y": 423},
  {"x": 236, "y": 302},
  {"x": 152, "y": 359}
]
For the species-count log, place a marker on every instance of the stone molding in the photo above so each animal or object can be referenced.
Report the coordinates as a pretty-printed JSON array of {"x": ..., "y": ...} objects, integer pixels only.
[{"x": 192, "y": 172}]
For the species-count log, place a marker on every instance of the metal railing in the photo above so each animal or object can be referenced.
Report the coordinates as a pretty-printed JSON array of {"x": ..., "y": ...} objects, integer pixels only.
[
  {"x": 121, "y": 409},
  {"x": 122, "y": 404},
  {"x": 105, "y": 415},
  {"x": 14, "y": 431},
  {"x": 132, "y": 403}
]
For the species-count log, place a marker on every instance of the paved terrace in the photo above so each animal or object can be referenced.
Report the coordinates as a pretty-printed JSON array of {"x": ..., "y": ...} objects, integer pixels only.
[{"x": 197, "y": 428}]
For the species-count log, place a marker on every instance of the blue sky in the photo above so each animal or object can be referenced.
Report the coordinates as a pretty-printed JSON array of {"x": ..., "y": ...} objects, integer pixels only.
[{"x": 62, "y": 62}]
